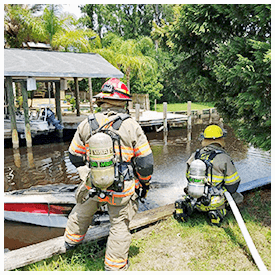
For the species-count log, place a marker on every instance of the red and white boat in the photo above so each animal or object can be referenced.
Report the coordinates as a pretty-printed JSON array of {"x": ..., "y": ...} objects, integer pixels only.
[{"x": 47, "y": 205}]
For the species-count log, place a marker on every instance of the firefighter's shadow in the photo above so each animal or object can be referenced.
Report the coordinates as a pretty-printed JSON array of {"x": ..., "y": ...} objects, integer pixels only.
[{"x": 234, "y": 237}]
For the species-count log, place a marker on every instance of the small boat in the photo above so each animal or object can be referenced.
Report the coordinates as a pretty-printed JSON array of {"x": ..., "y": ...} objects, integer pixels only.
[
  {"x": 42, "y": 121},
  {"x": 47, "y": 205}
]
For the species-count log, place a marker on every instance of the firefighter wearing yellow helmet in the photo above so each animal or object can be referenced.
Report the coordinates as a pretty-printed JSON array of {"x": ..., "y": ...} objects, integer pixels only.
[
  {"x": 210, "y": 171},
  {"x": 115, "y": 163}
]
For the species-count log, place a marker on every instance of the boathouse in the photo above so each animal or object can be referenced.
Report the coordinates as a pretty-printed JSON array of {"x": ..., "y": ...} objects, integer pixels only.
[{"x": 31, "y": 66}]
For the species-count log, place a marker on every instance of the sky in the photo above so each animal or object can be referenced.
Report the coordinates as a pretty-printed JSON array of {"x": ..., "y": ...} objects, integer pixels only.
[{"x": 72, "y": 8}]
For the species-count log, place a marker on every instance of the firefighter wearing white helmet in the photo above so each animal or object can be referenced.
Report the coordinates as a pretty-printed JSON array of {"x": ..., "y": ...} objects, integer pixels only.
[
  {"x": 115, "y": 163},
  {"x": 210, "y": 171}
]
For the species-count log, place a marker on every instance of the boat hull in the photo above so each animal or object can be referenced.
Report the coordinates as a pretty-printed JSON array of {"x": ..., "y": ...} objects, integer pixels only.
[{"x": 38, "y": 213}]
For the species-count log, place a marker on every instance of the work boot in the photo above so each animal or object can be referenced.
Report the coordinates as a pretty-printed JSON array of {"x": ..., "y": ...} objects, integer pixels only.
[
  {"x": 216, "y": 216},
  {"x": 180, "y": 212},
  {"x": 69, "y": 246},
  {"x": 237, "y": 197}
]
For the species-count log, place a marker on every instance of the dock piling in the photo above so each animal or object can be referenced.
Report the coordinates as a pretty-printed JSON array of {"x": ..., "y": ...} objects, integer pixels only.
[
  {"x": 15, "y": 139},
  {"x": 165, "y": 124},
  {"x": 189, "y": 121},
  {"x": 137, "y": 107},
  {"x": 90, "y": 94},
  {"x": 77, "y": 96},
  {"x": 28, "y": 135},
  {"x": 58, "y": 107}
]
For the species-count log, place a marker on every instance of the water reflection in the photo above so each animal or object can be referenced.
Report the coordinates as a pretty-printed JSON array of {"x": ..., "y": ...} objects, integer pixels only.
[
  {"x": 49, "y": 163},
  {"x": 42, "y": 164}
]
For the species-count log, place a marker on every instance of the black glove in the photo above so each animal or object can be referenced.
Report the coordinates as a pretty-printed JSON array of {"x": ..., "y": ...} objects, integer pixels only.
[{"x": 144, "y": 190}]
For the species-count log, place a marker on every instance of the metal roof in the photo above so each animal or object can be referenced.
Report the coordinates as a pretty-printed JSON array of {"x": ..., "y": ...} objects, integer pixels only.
[{"x": 50, "y": 65}]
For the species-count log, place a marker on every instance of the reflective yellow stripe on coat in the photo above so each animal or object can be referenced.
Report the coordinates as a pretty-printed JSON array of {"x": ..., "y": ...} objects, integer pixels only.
[
  {"x": 77, "y": 148},
  {"x": 142, "y": 150}
]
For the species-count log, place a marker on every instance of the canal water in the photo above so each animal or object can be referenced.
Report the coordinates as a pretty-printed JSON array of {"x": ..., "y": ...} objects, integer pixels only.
[{"x": 49, "y": 164}]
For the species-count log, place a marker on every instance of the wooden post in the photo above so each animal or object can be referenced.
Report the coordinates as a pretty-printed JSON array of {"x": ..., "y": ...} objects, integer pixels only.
[
  {"x": 58, "y": 106},
  {"x": 165, "y": 125},
  {"x": 91, "y": 94},
  {"x": 57, "y": 101},
  {"x": 189, "y": 121},
  {"x": 200, "y": 113},
  {"x": 49, "y": 91},
  {"x": 147, "y": 102},
  {"x": 24, "y": 92},
  {"x": 165, "y": 116},
  {"x": 77, "y": 96},
  {"x": 210, "y": 115},
  {"x": 15, "y": 140},
  {"x": 137, "y": 107}
]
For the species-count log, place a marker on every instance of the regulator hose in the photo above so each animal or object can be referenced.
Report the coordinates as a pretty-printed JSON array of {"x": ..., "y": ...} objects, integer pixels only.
[{"x": 245, "y": 232}]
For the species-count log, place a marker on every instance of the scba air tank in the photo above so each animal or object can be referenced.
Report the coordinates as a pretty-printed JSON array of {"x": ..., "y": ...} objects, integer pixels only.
[
  {"x": 101, "y": 160},
  {"x": 197, "y": 178}
]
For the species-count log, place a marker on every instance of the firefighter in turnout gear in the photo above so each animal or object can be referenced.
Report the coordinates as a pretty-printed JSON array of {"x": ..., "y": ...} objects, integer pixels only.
[
  {"x": 210, "y": 171},
  {"x": 115, "y": 163}
]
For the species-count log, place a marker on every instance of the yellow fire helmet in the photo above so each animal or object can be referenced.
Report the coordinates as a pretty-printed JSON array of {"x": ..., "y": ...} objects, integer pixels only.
[{"x": 213, "y": 132}]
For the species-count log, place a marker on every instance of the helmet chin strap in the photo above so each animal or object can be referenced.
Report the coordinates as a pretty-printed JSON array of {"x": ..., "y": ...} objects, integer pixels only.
[
  {"x": 112, "y": 105},
  {"x": 113, "y": 109}
]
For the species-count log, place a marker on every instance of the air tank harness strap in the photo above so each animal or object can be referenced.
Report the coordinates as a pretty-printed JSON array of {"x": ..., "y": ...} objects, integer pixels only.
[{"x": 117, "y": 121}]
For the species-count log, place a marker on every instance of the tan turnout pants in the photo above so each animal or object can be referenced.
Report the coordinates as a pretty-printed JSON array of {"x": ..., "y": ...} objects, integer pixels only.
[{"x": 121, "y": 211}]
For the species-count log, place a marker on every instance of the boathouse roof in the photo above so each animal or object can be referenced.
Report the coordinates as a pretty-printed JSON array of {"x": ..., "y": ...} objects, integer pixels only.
[{"x": 51, "y": 65}]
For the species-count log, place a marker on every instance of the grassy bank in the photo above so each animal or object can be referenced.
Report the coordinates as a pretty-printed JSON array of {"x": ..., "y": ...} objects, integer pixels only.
[
  {"x": 176, "y": 107},
  {"x": 195, "y": 245}
]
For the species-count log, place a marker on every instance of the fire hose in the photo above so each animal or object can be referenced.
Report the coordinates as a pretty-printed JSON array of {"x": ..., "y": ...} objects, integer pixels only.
[{"x": 245, "y": 232}]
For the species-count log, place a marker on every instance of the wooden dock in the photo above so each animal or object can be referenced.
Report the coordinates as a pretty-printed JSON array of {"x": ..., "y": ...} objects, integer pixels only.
[{"x": 145, "y": 118}]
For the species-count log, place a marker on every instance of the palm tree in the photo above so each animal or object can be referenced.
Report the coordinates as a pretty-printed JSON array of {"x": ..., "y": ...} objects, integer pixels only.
[
  {"x": 53, "y": 27},
  {"x": 77, "y": 40},
  {"x": 129, "y": 56},
  {"x": 20, "y": 25}
]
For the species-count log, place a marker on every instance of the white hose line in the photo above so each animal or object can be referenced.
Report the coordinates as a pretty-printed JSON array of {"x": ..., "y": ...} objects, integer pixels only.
[{"x": 245, "y": 233}]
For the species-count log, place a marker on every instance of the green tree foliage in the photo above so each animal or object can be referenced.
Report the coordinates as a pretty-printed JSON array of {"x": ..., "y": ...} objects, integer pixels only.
[
  {"x": 128, "y": 20},
  {"x": 20, "y": 25},
  {"x": 218, "y": 53},
  {"x": 134, "y": 58},
  {"x": 223, "y": 54}
]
